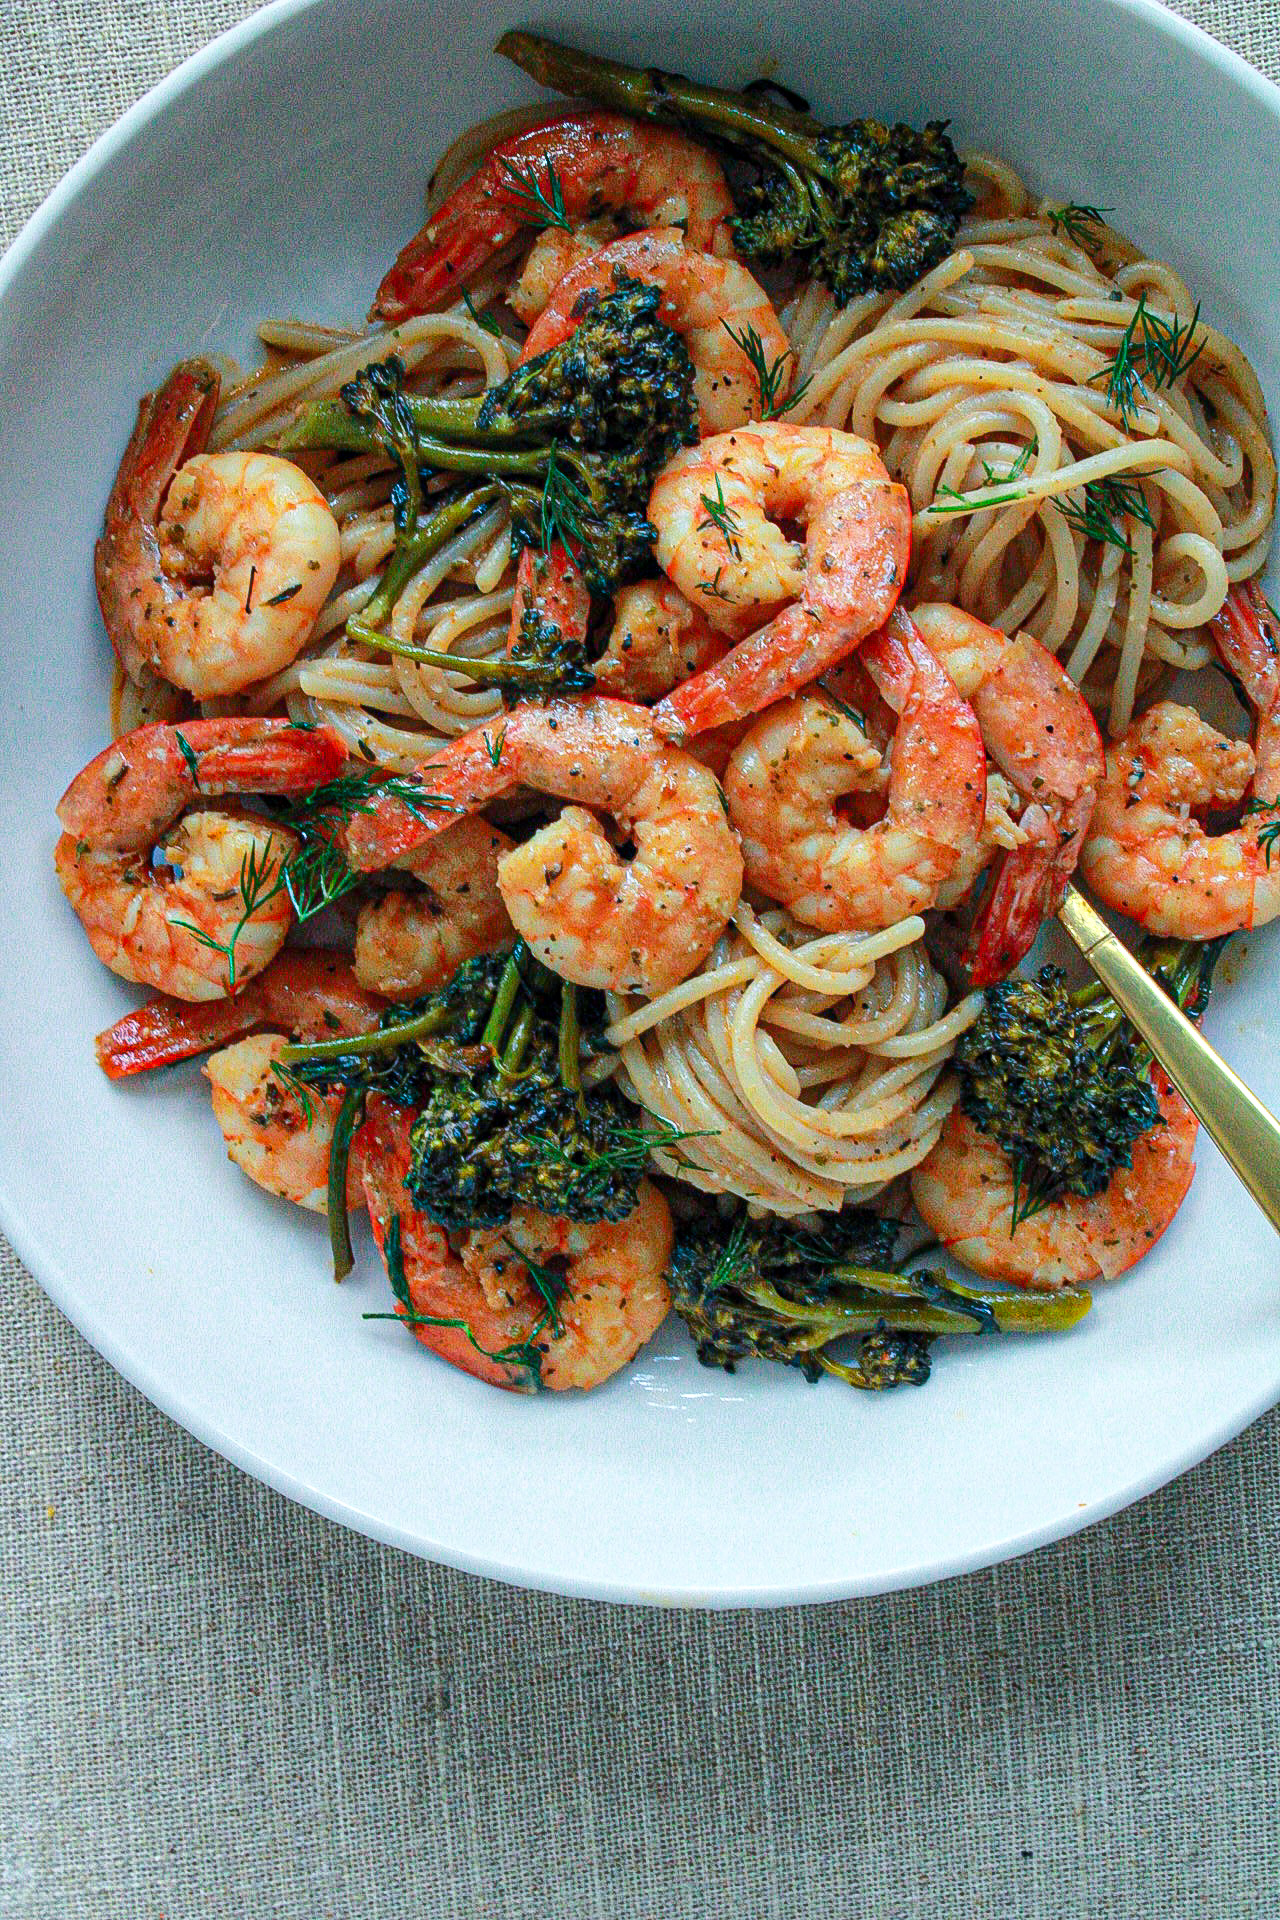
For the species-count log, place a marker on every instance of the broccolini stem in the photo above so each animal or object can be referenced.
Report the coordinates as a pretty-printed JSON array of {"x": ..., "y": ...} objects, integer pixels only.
[
  {"x": 518, "y": 1044},
  {"x": 647, "y": 93},
  {"x": 381, "y": 1040},
  {"x": 350, "y": 1114},
  {"x": 330, "y": 423},
  {"x": 1011, "y": 1312},
  {"x": 510, "y": 672},
  {"x": 503, "y": 1002},
  {"x": 570, "y": 1052},
  {"x": 1184, "y": 968},
  {"x": 427, "y": 538}
]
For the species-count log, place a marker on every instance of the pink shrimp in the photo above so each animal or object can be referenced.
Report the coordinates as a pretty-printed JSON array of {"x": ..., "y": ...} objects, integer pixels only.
[
  {"x": 1041, "y": 735},
  {"x": 638, "y": 925},
  {"x": 964, "y": 1191},
  {"x": 595, "y": 162},
  {"x": 1147, "y": 854},
  {"x": 784, "y": 780},
  {"x": 818, "y": 603},
  {"x": 309, "y": 992},
  {"x": 477, "y": 1308},
  {"x": 212, "y": 567},
  {"x": 278, "y": 1136},
  {"x": 212, "y": 910},
  {"x": 713, "y": 304}
]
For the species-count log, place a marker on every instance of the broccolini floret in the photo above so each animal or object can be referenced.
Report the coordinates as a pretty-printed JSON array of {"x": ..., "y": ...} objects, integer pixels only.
[
  {"x": 492, "y": 1061},
  {"x": 1061, "y": 1081},
  {"x": 862, "y": 206},
  {"x": 572, "y": 441},
  {"x": 774, "y": 1291}
]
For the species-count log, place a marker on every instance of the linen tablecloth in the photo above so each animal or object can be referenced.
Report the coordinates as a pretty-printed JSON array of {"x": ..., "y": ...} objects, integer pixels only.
[{"x": 213, "y": 1703}]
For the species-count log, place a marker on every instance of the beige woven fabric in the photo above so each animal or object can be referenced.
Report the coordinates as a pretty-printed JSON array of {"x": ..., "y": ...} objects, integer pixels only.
[{"x": 214, "y": 1704}]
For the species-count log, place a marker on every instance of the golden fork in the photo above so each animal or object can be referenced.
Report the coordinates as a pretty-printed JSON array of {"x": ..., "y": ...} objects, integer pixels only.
[{"x": 1244, "y": 1132}]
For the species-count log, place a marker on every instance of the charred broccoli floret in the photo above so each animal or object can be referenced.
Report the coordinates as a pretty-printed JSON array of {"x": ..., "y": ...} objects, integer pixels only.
[
  {"x": 572, "y": 440},
  {"x": 492, "y": 1061},
  {"x": 1061, "y": 1080},
  {"x": 774, "y": 1291},
  {"x": 863, "y": 206}
]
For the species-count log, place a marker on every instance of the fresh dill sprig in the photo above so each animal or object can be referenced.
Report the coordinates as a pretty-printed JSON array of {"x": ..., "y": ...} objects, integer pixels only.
[
  {"x": 1030, "y": 1197},
  {"x": 493, "y": 747},
  {"x": 189, "y": 755},
  {"x": 262, "y": 877},
  {"x": 1078, "y": 223},
  {"x": 317, "y": 874},
  {"x": 1026, "y": 454},
  {"x": 1269, "y": 835},
  {"x": 534, "y": 204},
  {"x": 302, "y": 1090},
  {"x": 549, "y": 1285},
  {"x": 721, "y": 517},
  {"x": 1152, "y": 352},
  {"x": 523, "y": 1354},
  {"x": 951, "y": 500},
  {"x": 627, "y": 1151},
  {"x": 713, "y": 589},
  {"x": 850, "y": 713},
  {"x": 483, "y": 320},
  {"x": 770, "y": 374},
  {"x": 563, "y": 504},
  {"x": 1105, "y": 504}
]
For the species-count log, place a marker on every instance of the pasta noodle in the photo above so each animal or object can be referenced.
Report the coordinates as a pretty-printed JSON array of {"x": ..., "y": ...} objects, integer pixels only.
[
  {"x": 809, "y": 1069},
  {"x": 994, "y": 369}
]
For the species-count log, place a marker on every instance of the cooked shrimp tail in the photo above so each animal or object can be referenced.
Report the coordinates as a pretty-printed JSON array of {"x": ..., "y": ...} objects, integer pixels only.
[
  {"x": 309, "y": 992},
  {"x": 1042, "y": 737},
  {"x": 568, "y": 168},
  {"x": 715, "y": 305},
  {"x": 1149, "y": 853},
  {"x": 784, "y": 781},
  {"x": 632, "y": 926},
  {"x": 601, "y": 1289},
  {"x": 213, "y": 908}
]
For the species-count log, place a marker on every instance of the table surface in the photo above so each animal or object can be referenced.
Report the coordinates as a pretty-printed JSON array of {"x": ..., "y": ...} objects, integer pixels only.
[{"x": 215, "y": 1703}]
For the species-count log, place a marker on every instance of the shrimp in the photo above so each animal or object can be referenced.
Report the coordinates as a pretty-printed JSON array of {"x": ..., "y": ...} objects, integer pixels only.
[
  {"x": 480, "y": 1309},
  {"x": 408, "y": 942},
  {"x": 192, "y": 903},
  {"x": 310, "y": 993},
  {"x": 550, "y": 592},
  {"x": 709, "y": 505},
  {"x": 713, "y": 304},
  {"x": 635, "y": 926},
  {"x": 212, "y": 567},
  {"x": 1041, "y": 735},
  {"x": 595, "y": 162},
  {"x": 657, "y": 641},
  {"x": 782, "y": 784},
  {"x": 1147, "y": 854},
  {"x": 555, "y": 250},
  {"x": 964, "y": 1192},
  {"x": 281, "y": 1140}
]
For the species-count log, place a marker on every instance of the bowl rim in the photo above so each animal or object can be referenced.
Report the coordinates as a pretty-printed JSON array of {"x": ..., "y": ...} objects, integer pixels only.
[{"x": 58, "y": 1282}]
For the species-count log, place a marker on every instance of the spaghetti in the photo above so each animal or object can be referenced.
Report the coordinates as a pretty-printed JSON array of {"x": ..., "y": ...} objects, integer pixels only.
[
  {"x": 809, "y": 1070},
  {"x": 993, "y": 379}
]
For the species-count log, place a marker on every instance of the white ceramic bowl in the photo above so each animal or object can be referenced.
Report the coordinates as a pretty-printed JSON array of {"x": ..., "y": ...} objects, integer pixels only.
[{"x": 278, "y": 172}]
